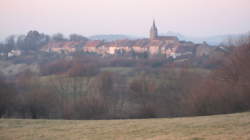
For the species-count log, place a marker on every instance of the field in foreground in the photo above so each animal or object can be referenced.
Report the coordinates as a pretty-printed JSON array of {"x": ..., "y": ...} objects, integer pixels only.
[{"x": 218, "y": 127}]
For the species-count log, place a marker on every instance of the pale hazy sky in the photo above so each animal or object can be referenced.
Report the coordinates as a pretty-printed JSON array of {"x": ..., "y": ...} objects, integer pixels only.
[{"x": 133, "y": 17}]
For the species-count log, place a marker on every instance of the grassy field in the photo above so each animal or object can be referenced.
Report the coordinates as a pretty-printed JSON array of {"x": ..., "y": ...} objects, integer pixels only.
[
  {"x": 218, "y": 127},
  {"x": 121, "y": 70}
]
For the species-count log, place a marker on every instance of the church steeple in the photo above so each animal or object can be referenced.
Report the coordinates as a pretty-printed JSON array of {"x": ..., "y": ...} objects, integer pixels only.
[
  {"x": 153, "y": 31},
  {"x": 154, "y": 24}
]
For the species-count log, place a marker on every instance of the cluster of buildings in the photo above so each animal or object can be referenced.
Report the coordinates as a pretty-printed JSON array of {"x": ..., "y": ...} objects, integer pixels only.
[{"x": 168, "y": 46}]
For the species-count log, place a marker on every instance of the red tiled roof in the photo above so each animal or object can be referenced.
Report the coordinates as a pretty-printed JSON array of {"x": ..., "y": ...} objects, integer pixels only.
[{"x": 94, "y": 43}]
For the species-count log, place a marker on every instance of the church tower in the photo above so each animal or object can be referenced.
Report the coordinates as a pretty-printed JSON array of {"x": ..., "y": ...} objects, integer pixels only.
[{"x": 153, "y": 31}]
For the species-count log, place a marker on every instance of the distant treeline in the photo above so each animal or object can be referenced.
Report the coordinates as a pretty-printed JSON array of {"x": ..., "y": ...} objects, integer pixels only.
[{"x": 34, "y": 41}]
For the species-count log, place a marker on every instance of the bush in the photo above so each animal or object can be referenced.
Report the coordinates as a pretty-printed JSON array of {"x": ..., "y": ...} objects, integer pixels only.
[
  {"x": 82, "y": 69},
  {"x": 56, "y": 67}
]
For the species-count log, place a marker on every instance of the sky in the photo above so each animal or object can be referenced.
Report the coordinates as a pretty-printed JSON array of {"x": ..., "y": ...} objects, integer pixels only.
[{"x": 132, "y": 17}]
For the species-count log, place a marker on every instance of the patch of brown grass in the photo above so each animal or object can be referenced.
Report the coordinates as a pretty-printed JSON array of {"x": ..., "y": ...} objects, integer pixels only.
[{"x": 218, "y": 127}]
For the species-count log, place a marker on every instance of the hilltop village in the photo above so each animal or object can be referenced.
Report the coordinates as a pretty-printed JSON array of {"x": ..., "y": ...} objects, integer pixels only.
[
  {"x": 37, "y": 48},
  {"x": 155, "y": 45}
]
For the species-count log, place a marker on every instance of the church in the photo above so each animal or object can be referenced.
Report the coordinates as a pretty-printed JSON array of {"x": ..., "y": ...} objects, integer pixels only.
[{"x": 153, "y": 35}]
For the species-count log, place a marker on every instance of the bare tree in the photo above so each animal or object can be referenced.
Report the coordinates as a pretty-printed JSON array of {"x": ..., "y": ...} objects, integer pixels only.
[
  {"x": 226, "y": 90},
  {"x": 8, "y": 46},
  {"x": 58, "y": 37},
  {"x": 7, "y": 97},
  {"x": 76, "y": 37}
]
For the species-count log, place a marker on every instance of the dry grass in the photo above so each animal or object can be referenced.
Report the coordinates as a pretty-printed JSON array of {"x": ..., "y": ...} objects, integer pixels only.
[{"x": 218, "y": 127}]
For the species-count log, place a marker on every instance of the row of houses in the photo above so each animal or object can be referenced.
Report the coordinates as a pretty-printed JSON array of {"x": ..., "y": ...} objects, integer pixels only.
[{"x": 165, "y": 46}]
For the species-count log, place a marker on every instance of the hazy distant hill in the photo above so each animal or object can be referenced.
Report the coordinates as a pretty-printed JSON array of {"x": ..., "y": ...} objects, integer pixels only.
[
  {"x": 111, "y": 37},
  {"x": 211, "y": 40}
]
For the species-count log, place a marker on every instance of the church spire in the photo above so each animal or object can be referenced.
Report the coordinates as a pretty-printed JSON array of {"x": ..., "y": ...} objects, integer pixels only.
[
  {"x": 153, "y": 31},
  {"x": 154, "y": 23}
]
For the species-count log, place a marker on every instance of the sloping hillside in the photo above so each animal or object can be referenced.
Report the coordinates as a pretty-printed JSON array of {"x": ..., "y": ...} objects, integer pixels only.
[{"x": 218, "y": 127}]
